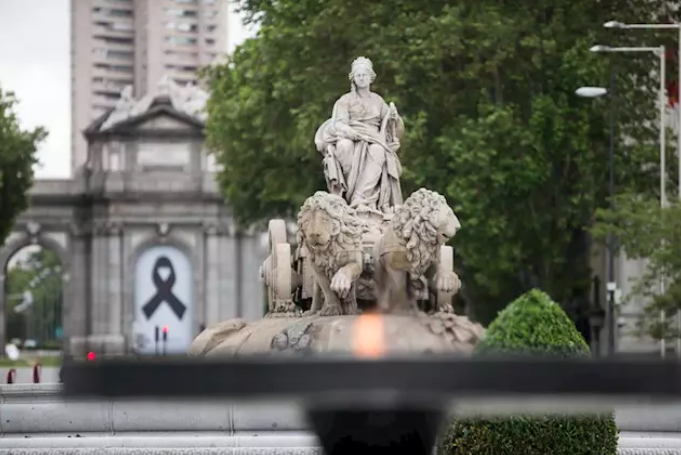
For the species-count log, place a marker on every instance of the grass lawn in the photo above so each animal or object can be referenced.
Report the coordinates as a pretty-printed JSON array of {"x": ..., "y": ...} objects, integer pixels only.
[{"x": 51, "y": 361}]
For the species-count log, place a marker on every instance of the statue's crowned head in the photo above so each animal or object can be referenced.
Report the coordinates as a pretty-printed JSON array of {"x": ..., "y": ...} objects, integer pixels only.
[{"x": 362, "y": 73}]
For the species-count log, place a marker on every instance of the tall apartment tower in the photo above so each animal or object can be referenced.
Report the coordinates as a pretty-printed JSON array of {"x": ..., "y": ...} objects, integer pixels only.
[{"x": 115, "y": 43}]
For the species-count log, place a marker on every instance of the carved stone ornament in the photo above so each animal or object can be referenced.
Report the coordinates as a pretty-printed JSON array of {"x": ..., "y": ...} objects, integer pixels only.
[
  {"x": 114, "y": 228},
  {"x": 101, "y": 227},
  {"x": 188, "y": 99},
  {"x": 163, "y": 229},
  {"x": 211, "y": 228},
  {"x": 78, "y": 229},
  {"x": 33, "y": 228},
  {"x": 360, "y": 248},
  {"x": 296, "y": 337}
]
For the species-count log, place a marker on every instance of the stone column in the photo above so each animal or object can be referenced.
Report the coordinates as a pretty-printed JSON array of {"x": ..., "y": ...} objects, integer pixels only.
[
  {"x": 196, "y": 164},
  {"x": 128, "y": 286},
  {"x": 228, "y": 277},
  {"x": 100, "y": 282},
  {"x": 3, "y": 304},
  {"x": 212, "y": 274},
  {"x": 115, "y": 281},
  {"x": 199, "y": 269},
  {"x": 252, "y": 258},
  {"x": 77, "y": 302}
]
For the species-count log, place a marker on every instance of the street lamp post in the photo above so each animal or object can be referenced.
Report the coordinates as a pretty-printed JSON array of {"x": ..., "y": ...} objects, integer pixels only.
[
  {"x": 595, "y": 92},
  {"x": 612, "y": 286},
  {"x": 621, "y": 25},
  {"x": 677, "y": 27},
  {"x": 662, "y": 100}
]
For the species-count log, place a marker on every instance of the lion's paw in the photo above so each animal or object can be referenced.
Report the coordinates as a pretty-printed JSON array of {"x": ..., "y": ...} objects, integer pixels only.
[
  {"x": 331, "y": 310},
  {"x": 284, "y": 309}
]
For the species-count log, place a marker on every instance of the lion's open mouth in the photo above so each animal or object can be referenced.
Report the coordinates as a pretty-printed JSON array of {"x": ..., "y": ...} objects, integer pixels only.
[{"x": 319, "y": 245}]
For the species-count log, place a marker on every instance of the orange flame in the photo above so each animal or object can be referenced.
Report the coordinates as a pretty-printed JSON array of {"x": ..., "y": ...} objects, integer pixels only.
[{"x": 368, "y": 339}]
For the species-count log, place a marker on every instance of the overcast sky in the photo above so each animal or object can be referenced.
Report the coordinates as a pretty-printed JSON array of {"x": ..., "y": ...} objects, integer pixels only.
[{"x": 34, "y": 64}]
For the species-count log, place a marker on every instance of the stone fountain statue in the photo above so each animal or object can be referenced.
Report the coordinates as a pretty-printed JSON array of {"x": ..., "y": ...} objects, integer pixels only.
[
  {"x": 360, "y": 142},
  {"x": 360, "y": 248}
]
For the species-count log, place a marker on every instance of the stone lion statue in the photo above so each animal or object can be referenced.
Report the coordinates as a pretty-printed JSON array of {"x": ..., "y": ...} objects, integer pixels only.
[
  {"x": 330, "y": 231},
  {"x": 408, "y": 253}
]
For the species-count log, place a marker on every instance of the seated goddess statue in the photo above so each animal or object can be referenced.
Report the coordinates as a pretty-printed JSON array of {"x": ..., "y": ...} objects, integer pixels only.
[{"x": 360, "y": 142}]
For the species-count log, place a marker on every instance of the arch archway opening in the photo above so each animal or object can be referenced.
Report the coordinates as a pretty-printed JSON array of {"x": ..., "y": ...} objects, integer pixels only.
[{"x": 34, "y": 294}]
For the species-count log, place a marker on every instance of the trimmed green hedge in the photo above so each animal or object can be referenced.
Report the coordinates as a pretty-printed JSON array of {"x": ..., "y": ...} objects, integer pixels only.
[{"x": 532, "y": 324}]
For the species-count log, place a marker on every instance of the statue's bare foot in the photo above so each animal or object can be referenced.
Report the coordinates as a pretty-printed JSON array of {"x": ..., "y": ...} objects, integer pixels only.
[
  {"x": 310, "y": 313},
  {"x": 331, "y": 310}
]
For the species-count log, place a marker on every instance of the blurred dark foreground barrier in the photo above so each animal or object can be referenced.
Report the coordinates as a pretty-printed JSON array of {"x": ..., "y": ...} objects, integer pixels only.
[
  {"x": 386, "y": 405},
  {"x": 36, "y": 420},
  {"x": 424, "y": 381}
]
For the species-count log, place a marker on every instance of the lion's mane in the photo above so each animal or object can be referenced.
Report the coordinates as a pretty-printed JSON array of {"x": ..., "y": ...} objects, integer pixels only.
[
  {"x": 346, "y": 231},
  {"x": 416, "y": 225}
]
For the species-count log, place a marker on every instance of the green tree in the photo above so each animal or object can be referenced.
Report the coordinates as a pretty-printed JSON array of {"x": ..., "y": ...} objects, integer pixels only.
[
  {"x": 40, "y": 274},
  {"x": 17, "y": 158},
  {"x": 644, "y": 230},
  {"x": 487, "y": 93}
]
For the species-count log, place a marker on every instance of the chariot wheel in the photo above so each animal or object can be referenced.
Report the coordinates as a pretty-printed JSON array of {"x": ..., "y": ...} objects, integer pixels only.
[
  {"x": 276, "y": 234},
  {"x": 446, "y": 263},
  {"x": 277, "y": 271}
]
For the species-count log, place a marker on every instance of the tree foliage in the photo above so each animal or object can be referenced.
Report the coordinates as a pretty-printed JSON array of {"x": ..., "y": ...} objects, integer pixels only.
[
  {"x": 40, "y": 274},
  {"x": 487, "y": 93},
  {"x": 17, "y": 158},
  {"x": 645, "y": 230}
]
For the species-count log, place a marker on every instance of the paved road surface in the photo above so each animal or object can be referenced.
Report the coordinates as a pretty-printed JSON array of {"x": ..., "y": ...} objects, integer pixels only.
[{"x": 25, "y": 375}]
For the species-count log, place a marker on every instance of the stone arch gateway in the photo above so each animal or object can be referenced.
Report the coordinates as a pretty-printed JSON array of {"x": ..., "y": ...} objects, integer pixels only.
[
  {"x": 148, "y": 181},
  {"x": 31, "y": 234}
]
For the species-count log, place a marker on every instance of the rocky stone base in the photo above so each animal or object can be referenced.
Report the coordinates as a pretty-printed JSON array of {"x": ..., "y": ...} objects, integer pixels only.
[{"x": 422, "y": 333}]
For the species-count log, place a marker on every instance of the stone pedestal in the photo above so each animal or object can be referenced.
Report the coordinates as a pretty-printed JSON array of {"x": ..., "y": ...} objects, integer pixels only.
[{"x": 437, "y": 333}]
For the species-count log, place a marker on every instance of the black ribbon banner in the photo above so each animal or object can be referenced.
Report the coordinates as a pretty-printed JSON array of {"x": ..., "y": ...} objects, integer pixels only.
[{"x": 164, "y": 291}]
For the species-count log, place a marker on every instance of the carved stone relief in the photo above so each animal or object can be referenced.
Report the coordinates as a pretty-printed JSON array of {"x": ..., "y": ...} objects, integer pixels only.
[
  {"x": 189, "y": 99},
  {"x": 297, "y": 337}
]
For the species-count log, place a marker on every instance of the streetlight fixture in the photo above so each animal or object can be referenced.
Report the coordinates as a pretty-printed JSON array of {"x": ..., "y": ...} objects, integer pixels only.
[
  {"x": 662, "y": 100},
  {"x": 591, "y": 92},
  {"x": 614, "y": 24}
]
